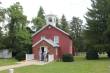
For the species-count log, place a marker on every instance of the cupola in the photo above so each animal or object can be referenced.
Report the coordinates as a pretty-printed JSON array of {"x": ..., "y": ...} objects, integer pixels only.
[{"x": 51, "y": 19}]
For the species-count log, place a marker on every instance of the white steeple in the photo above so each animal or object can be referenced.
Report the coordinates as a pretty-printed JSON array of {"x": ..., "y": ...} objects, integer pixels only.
[{"x": 51, "y": 19}]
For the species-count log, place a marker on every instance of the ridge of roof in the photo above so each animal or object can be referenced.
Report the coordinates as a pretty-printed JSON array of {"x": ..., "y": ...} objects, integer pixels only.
[{"x": 52, "y": 26}]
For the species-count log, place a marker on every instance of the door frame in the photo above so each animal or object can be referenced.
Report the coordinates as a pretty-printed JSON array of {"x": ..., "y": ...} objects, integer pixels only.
[{"x": 40, "y": 52}]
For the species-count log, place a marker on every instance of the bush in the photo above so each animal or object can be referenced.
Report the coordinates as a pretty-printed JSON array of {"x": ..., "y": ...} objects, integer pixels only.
[
  {"x": 67, "y": 58},
  {"x": 108, "y": 53},
  {"x": 20, "y": 56},
  {"x": 92, "y": 55}
]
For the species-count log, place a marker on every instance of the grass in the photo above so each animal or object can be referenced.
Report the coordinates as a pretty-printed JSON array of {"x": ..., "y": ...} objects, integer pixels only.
[
  {"x": 7, "y": 62},
  {"x": 81, "y": 65}
]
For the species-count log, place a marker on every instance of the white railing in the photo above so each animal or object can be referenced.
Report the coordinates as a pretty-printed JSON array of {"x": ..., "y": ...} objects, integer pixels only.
[
  {"x": 29, "y": 57},
  {"x": 51, "y": 58}
]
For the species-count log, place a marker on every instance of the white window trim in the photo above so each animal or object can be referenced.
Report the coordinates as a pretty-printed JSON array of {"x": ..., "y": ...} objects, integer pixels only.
[{"x": 56, "y": 39}]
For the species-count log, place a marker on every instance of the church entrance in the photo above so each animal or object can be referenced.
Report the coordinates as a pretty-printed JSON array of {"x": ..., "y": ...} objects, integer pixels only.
[{"x": 43, "y": 53}]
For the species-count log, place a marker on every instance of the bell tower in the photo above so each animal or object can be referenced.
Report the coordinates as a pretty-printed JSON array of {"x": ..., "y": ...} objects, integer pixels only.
[{"x": 51, "y": 20}]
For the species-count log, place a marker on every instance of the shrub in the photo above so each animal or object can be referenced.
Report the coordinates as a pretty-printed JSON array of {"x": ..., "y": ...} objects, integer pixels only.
[
  {"x": 108, "y": 53},
  {"x": 92, "y": 55},
  {"x": 67, "y": 58},
  {"x": 20, "y": 56}
]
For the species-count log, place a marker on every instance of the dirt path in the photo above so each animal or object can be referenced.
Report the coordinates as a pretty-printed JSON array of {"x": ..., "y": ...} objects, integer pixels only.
[{"x": 22, "y": 64}]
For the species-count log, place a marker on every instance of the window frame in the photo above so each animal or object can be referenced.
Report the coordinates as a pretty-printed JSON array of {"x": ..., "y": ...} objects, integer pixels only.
[{"x": 56, "y": 39}]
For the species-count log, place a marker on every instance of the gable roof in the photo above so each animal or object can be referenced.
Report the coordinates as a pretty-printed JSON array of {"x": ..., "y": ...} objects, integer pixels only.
[
  {"x": 52, "y": 26},
  {"x": 48, "y": 41}
]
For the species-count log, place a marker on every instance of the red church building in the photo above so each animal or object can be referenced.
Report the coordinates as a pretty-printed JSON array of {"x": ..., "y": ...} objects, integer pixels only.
[{"x": 51, "y": 40}]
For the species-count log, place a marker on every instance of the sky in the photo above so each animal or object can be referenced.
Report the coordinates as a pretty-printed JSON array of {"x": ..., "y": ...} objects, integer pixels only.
[{"x": 69, "y": 8}]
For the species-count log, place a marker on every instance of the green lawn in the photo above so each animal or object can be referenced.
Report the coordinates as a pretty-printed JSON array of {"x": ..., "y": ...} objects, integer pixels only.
[
  {"x": 7, "y": 62},
  {"x": 79, "y": 66}
]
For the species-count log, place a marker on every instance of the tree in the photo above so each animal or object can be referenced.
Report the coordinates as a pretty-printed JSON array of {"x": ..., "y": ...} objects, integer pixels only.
[
  {"x": 19, "y": 39},
  {"x": 64, "y": 24},
  {"x": 16, "y": 21},
  {"x": 97, "y": 24},
  {"x": 1, "y": 39},
  {"x": 58, "y": 24},
  {"x": 2, "y": 14},
  {"x": 76, "y": 33},
  {"x": 39, "y": 21},
  {"x": 2, "y": 19}
]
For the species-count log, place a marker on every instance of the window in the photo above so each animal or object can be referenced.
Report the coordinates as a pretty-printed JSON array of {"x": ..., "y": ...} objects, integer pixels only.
[
  {"x": 56, "y": 39},
  {"x": 50, "y": 19},
  {"x": 42, "y": 37}
]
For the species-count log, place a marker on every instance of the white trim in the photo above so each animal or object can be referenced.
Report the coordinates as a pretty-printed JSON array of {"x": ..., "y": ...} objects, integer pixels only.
[
  {"x": 62, "y": 31},
  {"x": 39, "y": 30},
  {"x": 37, "y": 43},
  {"x": 48, "y": 41},
  {"x": 52, "y": 26}
]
